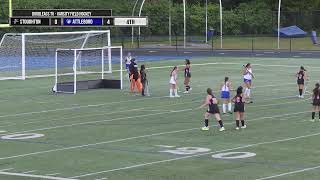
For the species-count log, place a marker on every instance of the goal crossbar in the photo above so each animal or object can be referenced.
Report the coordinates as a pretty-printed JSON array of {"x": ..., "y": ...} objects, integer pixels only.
[{"x": 75, "y": 53}]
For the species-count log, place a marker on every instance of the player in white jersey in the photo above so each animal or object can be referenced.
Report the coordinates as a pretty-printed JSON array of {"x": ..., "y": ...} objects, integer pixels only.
[
  {"x": 247, "y": 78},
  {"x": 127, "y": 61},
  {"x": 173, "y": 82},
  {"x": 225, "y": 95}
]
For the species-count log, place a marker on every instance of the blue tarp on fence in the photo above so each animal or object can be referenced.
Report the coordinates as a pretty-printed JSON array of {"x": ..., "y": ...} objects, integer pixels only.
[{"x": 292, "y": 31}]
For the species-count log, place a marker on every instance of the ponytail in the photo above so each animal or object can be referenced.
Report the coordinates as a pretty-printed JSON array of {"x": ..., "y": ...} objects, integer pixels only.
[
  {"x": 174, "y": 68},
  {"x": 226, "y": 79},
  {"x": 209, "y": 91}
]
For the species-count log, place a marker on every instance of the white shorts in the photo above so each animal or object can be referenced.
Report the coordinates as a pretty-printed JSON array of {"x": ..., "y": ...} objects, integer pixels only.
[{"x": 172, "y": 81}]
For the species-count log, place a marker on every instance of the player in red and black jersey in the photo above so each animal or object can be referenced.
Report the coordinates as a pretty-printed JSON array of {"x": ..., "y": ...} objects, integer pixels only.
[
  {"x": 239, "y": 108},
  {"x": 316, "y": 101},
  {"x": 213, "y": 109},
  {"x": 187, "y": 76},
  {"x": 301, "y": 77}
]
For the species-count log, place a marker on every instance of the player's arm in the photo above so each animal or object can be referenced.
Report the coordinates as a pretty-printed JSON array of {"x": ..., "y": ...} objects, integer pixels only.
[
  {"x": 230, "y": 86},
  {"x": 306, "y": 75},
  {"x": 233, "y": 99},
  {"x": 206, "y": 103}
]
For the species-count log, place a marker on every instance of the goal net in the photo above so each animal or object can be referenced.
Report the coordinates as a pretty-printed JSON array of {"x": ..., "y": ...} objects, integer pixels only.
[
  {"x": 29, "y": 55},
  {"x": 88, "y": 68}
]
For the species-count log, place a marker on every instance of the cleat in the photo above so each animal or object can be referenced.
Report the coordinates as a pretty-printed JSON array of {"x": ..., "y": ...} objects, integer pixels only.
[
  {"x": 205, "y": 128},
  {"x": 190, "y": 89},
  {"x": 302, "y": 96},
  {"x": 243, "y": 127},
  {"x": 177, "y": 95},
  {"x": 222, "y": 129},
  {"x": 171, "y": 96},
  {"x": 237, "y": 128},
  {"x": 230, "y": 112},
  {"x": 186, "y": 92},
  {"x": 312, "y": 120}
]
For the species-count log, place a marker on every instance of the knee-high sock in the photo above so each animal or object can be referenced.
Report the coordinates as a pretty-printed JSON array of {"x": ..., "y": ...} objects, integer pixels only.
[
  {"x": 176, "y": 92},
  {"x": 171, "y": 90},
  {"x": 248, "y": 92},
  {"x": 224, "y": 107},
  {"x": 229, "y": 107}
]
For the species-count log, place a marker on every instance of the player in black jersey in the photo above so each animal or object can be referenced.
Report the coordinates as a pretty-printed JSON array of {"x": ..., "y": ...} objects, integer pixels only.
[
  {"x": 301, "y": 77},
  {"x": 316, "y": 101},
  {"x": 187, "y": 76},
  {"x": 213, "y": 109},
  {"x": 239, "y": 108}
]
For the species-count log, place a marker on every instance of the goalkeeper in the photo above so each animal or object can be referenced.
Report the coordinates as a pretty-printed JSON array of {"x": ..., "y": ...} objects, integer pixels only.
[{"x": 134, "y": 77}]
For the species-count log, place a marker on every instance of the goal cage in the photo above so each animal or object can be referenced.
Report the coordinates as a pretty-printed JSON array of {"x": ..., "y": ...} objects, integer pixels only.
[
  {"x": 88, "y": 68},
  {"x": 31, "y": 55}
]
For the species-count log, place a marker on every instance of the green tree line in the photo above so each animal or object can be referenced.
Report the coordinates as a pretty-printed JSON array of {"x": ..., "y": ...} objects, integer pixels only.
[{"x": 239, "y": 16}]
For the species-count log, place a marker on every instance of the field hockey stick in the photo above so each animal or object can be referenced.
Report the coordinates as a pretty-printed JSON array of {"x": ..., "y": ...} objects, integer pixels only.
[
  {"x": 305, "y": 87},
  {"x": 147, "y": 88}
]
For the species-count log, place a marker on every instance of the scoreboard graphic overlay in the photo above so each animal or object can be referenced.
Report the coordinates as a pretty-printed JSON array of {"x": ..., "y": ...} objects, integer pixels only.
[{"x": 73, "y": 18}]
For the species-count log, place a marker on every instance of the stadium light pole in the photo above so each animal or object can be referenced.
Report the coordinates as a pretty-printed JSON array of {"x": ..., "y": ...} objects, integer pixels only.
[
  {"x": 170, "y": 38},
  {"x": 139, "y": 16},
  {"x": 279, "y": 14},
  {"x": 184, "y": 23},
  {"x": 221, "y": 44},
  {"x": 206, "y": 21},
  {"x": 132, "y": 30}
]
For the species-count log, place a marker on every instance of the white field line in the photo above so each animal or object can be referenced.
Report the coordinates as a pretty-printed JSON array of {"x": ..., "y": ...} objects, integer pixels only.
[
  {"x": 197, "y": 155},
  {"x": 135, "y": 137},
  {"x": 67, "y": 118},
  {"x": 52, "y": 174},
  {"x": 289, "y": 173},
  {"x": 131, "y": 117},
  {"x": 99, "y": 121},
  {"x": 118, "y": 102},
  {"x": 34, "y": 176},
  {"x": 10, "y": 124},
  {"x": 160, "y": 67},
  {"x": 78, "y": 107},
  {"x": 89, "y": 115},
  {"x": 28, "y": 172},
  {"x": 101, "y": 179},
  {"x": 94, "y": 122},
  {"x": 8, "y": 169},
  {"x": 163, "y": 67},
  {"x": 164, "y": 146}
]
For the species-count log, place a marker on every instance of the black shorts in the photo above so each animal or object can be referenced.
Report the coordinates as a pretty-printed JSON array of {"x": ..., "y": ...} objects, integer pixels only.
[
  {"x": 214, "y": 110},
  {"x": 300, "y": 81},
  {"x": 239, "y": 107},
  {"x": 316, "y": 102},
  {"x": 187, "y": 75}
]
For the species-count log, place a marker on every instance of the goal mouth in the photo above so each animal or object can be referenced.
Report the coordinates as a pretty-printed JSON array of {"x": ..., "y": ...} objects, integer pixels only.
[
  {"x": 68, "y": 87},
  {"x": 88, "y": 68}
]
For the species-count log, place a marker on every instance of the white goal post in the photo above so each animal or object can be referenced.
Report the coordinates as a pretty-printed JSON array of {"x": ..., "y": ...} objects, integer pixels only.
[
  {"x": 88, "y": 68},
  {"x": 31, "y": 55}
]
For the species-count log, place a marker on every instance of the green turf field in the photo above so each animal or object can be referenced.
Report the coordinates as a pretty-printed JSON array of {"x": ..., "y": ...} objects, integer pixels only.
[{"x": 114, "y": 135}]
